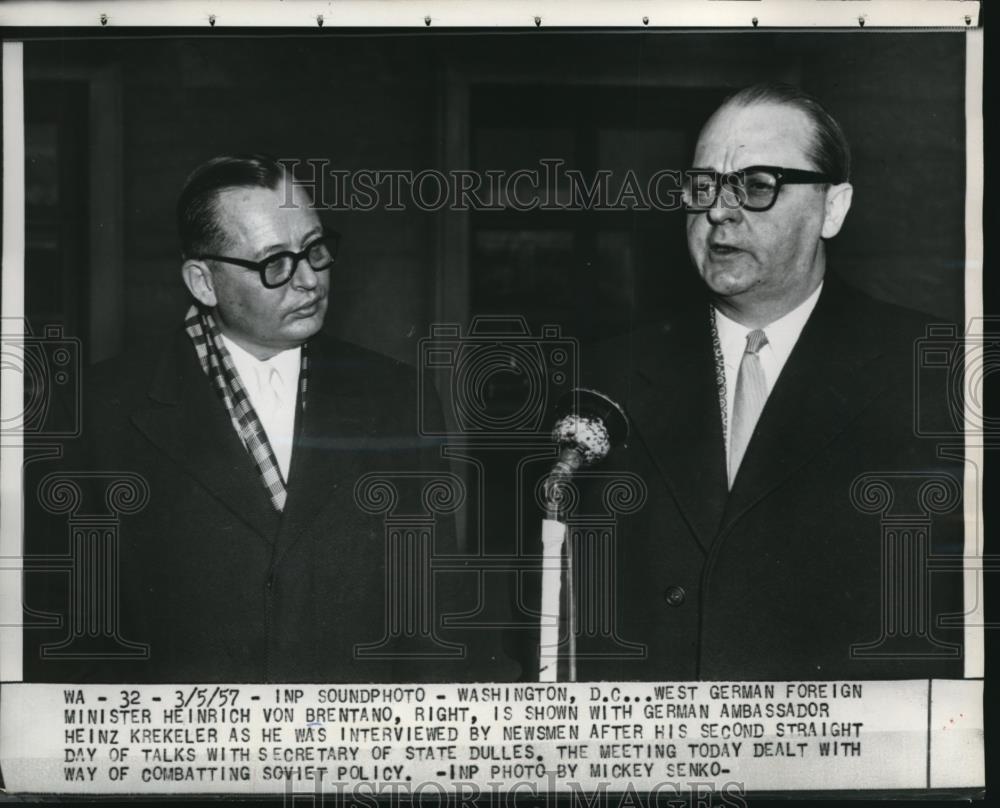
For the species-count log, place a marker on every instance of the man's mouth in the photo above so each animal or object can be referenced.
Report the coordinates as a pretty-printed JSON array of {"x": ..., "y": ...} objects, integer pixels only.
[
  {"x": 307, "y": 309},
  {"x": 722, "y": 250}
]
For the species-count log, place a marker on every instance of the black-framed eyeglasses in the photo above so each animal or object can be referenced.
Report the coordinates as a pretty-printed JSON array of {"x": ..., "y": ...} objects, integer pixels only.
[
  {"x": 754, "y": 188},
  {"x": 277, "y": 270}
]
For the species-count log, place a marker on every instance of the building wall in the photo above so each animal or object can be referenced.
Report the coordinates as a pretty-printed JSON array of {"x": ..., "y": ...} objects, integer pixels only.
[{"x": 380, "y": 102}]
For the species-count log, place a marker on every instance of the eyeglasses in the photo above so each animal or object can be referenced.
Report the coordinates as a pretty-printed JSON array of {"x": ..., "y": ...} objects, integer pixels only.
[
  {"x": 277, "y": 270},
  {"x": 754, "y": 188}
]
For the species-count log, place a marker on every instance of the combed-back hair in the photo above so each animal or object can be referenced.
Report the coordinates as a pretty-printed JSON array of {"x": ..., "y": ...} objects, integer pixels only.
[{"x": 197, "y": 215}]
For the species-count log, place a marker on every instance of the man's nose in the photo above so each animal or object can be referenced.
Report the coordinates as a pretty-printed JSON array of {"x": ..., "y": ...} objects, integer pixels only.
[
  {"x": 726, "y": 208},
  {"x": 304, "y": 276}
]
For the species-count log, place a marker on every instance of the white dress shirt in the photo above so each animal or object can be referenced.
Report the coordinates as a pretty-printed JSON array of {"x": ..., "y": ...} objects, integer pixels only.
[
  {"x": 781, "y": 335},
  {"x": 273, "y": 388}
]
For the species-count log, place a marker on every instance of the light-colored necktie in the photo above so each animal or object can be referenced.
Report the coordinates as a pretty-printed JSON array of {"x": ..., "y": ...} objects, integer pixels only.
[
  {"x": 275, "y": 390},
  {"x": 751, "y": 394},
  {"x": 275, "y": 393}
]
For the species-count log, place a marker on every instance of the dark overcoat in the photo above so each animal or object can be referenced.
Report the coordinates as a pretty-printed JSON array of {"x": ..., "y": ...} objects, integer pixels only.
[
  {"x": 835, "y": 555},
  {"x": 350, "y": 583}
]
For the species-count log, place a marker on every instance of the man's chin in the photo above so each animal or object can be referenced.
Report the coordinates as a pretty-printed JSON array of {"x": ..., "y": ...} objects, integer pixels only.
[
  {"x": 728, "y": 281},
  {"x": 302, "y": 328}
]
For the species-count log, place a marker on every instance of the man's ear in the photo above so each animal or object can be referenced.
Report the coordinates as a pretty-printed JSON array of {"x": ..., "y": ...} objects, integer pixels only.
[
  {"x": 838, "y": 202},
  {"x": 198, "y": 279}
]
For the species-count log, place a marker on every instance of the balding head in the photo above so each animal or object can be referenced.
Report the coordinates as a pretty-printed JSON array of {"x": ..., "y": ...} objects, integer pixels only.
[{"x": 827, "y": 149}]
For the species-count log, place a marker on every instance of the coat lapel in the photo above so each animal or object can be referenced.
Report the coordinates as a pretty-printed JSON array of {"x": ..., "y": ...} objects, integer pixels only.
[
  {"x": 831, "y": 375},
  {"x": 331, "y": 439},
  {"x": 674, "y": 407},
  {"x": 187, "y": 421}
]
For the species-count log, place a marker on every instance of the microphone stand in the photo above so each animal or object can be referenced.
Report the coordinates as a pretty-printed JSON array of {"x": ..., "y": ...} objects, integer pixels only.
[{"x": 554, "y": 539}]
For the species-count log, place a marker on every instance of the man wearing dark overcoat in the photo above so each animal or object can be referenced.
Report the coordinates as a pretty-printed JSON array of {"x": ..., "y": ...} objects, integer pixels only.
[
  {"x": 769, "y": 423},
  {"x": 287, "y": 515}
]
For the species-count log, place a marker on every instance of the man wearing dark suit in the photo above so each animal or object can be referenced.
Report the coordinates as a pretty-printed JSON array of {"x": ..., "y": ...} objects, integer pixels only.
[
  {"x": 769, "y": 423},
  {"x": 272, "y": 457}
]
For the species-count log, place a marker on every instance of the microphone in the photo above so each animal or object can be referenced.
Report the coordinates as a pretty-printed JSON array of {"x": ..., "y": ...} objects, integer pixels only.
[{"x": 590, "y": 425}]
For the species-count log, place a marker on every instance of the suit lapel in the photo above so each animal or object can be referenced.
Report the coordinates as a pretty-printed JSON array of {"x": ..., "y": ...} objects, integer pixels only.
[
  {"x": 188, "y": 422},
  {"x": 330, "y": 443},
  {"x": 831, "y": 375},
  {"x": 674, "y": 407}
]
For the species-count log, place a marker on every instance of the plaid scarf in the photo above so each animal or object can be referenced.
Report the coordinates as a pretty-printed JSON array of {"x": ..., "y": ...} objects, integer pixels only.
[{"x": 218, "y": 366}]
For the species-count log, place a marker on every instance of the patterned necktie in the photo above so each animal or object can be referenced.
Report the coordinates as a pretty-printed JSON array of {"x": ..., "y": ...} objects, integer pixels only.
[{"x": 751, "y": 393}]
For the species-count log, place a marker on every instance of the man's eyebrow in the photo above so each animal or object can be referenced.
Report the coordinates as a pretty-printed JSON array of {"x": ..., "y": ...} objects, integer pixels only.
[
  {"x": 266, "y": 252},
  {"x": 313, "y": 232}
]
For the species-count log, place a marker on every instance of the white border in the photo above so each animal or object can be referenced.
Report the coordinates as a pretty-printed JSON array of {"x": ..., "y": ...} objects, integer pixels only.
[
  {"x": 488, "y": 13},
  {"x": 11, "y": 376},
  {"x": 381, "y": 13},
  {"x": 974, "y": 453}
]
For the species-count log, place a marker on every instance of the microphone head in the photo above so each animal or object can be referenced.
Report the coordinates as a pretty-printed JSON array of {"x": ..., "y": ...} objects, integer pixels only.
[{"x": 591, "y": 423}]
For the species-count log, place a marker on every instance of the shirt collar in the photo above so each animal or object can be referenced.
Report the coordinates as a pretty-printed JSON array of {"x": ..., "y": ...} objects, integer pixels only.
[
  {"x": 782, "y": 334},
  {"x": 287, "y": 363}
]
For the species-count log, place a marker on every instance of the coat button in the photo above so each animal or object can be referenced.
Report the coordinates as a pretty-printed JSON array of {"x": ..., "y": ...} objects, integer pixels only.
[{"x": 674, "y": 595}]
